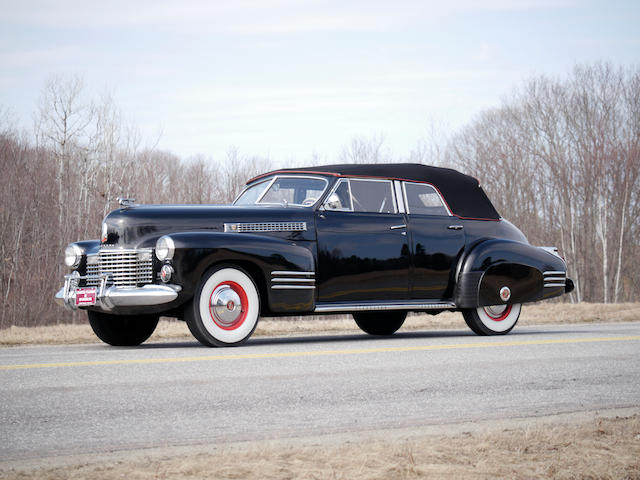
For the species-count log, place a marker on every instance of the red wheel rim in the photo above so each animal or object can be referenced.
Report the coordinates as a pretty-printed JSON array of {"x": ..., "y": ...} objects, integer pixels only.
[
  {"x": 498, "y": 318},
  {"x": 229, "y": 305}
]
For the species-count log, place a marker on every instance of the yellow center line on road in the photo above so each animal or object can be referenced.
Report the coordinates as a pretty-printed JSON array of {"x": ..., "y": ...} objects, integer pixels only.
[{"x": 318, "y": 353}]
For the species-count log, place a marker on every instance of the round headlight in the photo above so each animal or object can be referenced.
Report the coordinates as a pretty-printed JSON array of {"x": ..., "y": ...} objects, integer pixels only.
[
  {"x": 72, "y": 255},
  {"x": 165, "y": 248}
]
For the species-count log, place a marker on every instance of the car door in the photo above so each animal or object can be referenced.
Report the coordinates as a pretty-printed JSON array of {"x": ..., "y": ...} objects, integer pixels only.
[
  {"x": 363, "y": 249},
  {"x": 436, "y": 242}
]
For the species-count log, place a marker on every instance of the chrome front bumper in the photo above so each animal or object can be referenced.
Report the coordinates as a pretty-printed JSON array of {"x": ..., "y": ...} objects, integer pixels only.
[{"x": 107, "y": 298}]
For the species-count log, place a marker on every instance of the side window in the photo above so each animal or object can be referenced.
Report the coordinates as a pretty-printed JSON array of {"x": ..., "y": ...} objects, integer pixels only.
[
  {"x": 340, "y": 199},
  {"x": 424, "y": 200},
  {"x": 372, "y": 196}
]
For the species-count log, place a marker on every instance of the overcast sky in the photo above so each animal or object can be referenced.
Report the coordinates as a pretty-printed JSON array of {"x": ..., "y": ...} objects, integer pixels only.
[{"x": 285, "y": 78}]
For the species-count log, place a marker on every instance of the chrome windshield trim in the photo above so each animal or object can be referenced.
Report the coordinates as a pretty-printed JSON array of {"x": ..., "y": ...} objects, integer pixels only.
[{"x": 274, "y": 179}]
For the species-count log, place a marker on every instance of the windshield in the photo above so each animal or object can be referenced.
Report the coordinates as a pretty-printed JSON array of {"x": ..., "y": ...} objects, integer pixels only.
[{"x": 297, "y": 191}]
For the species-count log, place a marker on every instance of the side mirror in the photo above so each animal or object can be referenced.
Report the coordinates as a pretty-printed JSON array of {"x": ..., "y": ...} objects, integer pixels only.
[{"x": 333, "y": 202}]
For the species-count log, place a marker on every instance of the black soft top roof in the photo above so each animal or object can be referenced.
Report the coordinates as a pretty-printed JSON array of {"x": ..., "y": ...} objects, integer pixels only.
[{"x": 461, "y": 192}]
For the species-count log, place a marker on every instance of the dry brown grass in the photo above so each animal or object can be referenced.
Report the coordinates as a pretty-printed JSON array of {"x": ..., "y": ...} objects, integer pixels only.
[
  {"x": 535, "y": 314},
  {"x": 577, "y": 446}
]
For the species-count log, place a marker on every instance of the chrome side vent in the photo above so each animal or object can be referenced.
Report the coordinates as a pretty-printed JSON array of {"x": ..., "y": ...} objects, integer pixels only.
[
  {"x": 265, "y": 227},
  {"x": 289, "y": 280},
  {"x": 554, "y": 278}
]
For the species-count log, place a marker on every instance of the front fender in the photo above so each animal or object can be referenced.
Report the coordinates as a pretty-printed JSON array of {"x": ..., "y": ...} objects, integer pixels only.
[
  {"x": 196, "y": 252},
  {"x": 494, "y": 264}
]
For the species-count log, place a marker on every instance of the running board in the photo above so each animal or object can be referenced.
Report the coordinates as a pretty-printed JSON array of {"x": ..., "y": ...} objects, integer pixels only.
[{"x": 403, "y": 305}]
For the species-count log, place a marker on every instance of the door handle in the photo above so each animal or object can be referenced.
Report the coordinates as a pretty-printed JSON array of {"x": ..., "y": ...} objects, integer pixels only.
[
  {"x": 397, "y": 227},
  {"x": 455, "y": 227}
]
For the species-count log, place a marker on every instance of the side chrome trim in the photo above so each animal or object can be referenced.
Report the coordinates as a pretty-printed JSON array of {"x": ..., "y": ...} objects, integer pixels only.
[
  {"x": 359, "y": 307},
  {"x": 287, "y": 272},
  {"x": 554, "y": 278},
  {"x": 293, "y": 287},
  {"x": 291, "y": 280},
  {"x": 265, "y": 227}
]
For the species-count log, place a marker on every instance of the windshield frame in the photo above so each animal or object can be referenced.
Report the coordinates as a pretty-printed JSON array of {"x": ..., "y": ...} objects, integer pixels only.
[{"x": 270, "y": 182}]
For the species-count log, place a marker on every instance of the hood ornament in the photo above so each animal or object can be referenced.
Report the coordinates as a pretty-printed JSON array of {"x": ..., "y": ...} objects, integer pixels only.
[{"x": 126, "y": 202}]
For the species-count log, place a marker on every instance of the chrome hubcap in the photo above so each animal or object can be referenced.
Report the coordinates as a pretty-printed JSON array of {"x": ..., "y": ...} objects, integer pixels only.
[
  {"x": 495, "y": 311},
  {"x": 226, "y": 306}
]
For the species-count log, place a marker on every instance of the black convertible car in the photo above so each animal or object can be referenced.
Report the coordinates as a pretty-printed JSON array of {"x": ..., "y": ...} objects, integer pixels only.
[{"x": 375, "y": 241}]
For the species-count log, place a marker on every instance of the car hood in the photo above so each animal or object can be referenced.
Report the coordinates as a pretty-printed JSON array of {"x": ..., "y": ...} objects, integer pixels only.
[{"x": 141, "y": 225}]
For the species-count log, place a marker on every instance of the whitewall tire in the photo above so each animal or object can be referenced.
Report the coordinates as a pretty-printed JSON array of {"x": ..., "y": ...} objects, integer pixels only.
[
  {"x": 225, "y": 308},
  {"x": 492, "y": 320}
]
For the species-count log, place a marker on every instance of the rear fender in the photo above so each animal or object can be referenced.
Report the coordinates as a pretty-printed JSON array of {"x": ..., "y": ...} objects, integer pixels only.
[{"x": 494, "y": 264}]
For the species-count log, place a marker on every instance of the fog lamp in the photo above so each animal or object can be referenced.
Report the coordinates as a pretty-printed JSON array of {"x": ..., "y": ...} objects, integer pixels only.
[{"x": 166, "y": 272}]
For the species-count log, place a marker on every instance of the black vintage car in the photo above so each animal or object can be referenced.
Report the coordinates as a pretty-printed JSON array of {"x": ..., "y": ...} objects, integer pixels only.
[{"x": 375, "y": 241}]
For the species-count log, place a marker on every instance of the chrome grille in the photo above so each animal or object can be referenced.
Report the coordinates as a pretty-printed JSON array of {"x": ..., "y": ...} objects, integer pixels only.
[{"x": 126, "y": 268}]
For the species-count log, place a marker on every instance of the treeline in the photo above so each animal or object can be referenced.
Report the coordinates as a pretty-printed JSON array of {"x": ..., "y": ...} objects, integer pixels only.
[
  {"x": 59, "y": 181},
  {"x": 560, "y": 159}
]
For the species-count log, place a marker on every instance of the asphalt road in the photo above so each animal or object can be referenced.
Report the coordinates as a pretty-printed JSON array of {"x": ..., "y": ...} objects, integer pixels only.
[{"x": 58, "y": 400}]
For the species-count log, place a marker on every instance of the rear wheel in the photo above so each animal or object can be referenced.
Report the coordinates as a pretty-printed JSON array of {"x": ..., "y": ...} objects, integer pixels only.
[
  {"x": 122, "y": 330},
  {"x": 225, "y": 308},
  {"x": 492, "y": 320},
  {"x": 380, "y": 323}
]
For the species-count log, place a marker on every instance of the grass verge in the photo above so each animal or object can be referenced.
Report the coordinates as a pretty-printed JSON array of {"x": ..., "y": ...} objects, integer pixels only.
[
  {"x": 571, "y": 446},
  {"x": 534, "y": 314}
]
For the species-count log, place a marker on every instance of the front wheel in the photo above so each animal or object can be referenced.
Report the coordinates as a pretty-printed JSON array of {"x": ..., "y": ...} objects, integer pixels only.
[
  {"x": 225, "y": 308},
  {"x": 492, "y": 320},
  {"x": 122, "y": 330},
  {"x": 379, "y": 323}
]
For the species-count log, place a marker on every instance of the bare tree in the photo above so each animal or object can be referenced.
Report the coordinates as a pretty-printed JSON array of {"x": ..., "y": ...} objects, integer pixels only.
[{"x": 561, "y": 158}]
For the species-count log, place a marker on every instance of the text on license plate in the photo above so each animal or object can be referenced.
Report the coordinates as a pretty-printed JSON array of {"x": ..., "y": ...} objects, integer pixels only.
[{"x": 85, "y": 297}]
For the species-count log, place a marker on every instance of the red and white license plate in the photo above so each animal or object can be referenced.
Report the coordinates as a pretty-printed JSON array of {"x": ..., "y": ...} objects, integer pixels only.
[{"x": 85, "y": 297}]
